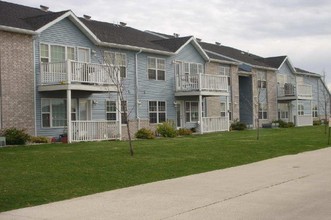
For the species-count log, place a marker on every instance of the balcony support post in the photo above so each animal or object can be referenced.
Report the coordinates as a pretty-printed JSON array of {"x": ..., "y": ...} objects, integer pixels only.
[
  {"x": 200, "y": 114},
  {"x": 69, "y": 129}
]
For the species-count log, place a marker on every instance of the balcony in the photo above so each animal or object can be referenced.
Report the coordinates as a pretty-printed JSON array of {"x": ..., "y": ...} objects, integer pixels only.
[
  {"x": 94, "y": 130},
  {"x": 76, "y": 76},
  {"x": 201, "y": 84},
  {"x": 289, "y": 91}
]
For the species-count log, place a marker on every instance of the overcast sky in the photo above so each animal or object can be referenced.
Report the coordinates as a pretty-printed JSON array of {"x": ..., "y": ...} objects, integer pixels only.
[{"x": 300, "y": 29}]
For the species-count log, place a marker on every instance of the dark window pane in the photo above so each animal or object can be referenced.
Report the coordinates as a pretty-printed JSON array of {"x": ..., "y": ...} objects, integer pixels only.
[
  {"x": 162, "y": 117},
  {"x": 152, "y": 117},
  {"x": 46, "y": 120},
  {"x": 161, "y": 75},
  {"x": 151, "y": 74}
]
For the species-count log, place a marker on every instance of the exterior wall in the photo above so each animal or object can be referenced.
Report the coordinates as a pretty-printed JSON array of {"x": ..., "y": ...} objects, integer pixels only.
[
  {"x": 212, "y": 103},
  {"x": 234, "y": 98},
  {"x": 272, "y": 96},
  {"x": 17, "y": 81}
]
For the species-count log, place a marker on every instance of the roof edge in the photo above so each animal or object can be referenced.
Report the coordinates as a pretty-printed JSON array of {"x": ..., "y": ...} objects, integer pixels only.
[{"x": 17, "y": 30}]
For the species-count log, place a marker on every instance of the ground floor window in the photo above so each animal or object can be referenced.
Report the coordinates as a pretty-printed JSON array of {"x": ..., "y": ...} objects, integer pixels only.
[
  {"x": 111, "y": 111},
  {"x": 263, "y": 111},
  {"x": 157, "y": 111},
  {"x": 315, "y": 111},
  {"x": 54, "y": 112},
  {"x": 283, "y": 111},
  {"x": 223, "y": 109},
  {"x": 192, "y": 111},
  {"x": 301, "y": 109}
]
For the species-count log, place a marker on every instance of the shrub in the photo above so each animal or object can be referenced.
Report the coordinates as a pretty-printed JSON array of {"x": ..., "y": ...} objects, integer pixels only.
[
  {"x": 184, "y": 131},
  {"x": 317, "y": 122},
  {"x": 40, "y": 139},
  {"x": 290, "y": 124},
  {"x": 283, "y": 124},
  {"x": 237, "y": 125},
  {"x": 15, "y": 136},
  {"x": 145, "y": 133},
  {"x": 167, "y": 129}
]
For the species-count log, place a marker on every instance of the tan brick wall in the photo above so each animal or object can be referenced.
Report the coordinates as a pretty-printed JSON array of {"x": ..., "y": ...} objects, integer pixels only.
[
  {"x": 17, "y": 81},
  {"x": 235, "y": 92},
  {"x": 134, "y": 127}
]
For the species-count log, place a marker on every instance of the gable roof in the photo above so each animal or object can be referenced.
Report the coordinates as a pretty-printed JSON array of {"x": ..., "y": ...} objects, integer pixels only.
[
  {"x": 274, "y": 62},
  {"x": 234, "y": 54}
]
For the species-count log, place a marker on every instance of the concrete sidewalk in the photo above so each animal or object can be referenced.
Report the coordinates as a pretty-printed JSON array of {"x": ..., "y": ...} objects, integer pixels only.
[{"x": 289, "y": 187}]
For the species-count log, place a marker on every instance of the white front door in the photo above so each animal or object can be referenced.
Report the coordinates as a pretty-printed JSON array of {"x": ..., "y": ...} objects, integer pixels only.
[
  {"x": 83, "y": 55},
  {"x": 85, "y": 109}
]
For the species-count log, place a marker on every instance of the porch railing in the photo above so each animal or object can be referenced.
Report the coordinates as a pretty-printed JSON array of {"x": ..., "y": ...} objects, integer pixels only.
[
  {"x": 201, "y": 82},
  {"x": 304, "y": 120},
  {"x": 72, "y": 71},
  {"x": 94, "y": 130},
  {"x": 213, "y": 124},
  {"x": 301, "y": 91}
]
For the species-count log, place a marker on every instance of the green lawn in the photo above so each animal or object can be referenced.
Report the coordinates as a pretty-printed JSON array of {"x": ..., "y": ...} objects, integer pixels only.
[{"x": 40, "y": 174}]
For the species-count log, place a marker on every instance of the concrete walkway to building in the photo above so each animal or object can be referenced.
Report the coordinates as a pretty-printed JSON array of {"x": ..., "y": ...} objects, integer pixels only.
[{"x": 289, "y": 187}]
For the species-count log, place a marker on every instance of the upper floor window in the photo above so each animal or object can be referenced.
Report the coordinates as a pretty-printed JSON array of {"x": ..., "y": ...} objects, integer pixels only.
[
  {"x": 224, "y": 70},
  {"x": 156, "y": 68},
  {"x": 261, "y": 79},
  {"x": 193, "y": 68},
  {"x": 56, "y": 53},
  {"x": 117, "y": 60}
]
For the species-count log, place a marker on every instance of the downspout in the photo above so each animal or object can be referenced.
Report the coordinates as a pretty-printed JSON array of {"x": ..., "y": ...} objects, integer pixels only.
[
  {"x": 0, "y": 93},
  {"x": 34, "y": 86},
  {"x": 137, "y": 87}
]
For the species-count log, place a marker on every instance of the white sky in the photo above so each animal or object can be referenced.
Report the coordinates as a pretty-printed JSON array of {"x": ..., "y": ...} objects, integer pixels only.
[{"x": 300, "y": 29}]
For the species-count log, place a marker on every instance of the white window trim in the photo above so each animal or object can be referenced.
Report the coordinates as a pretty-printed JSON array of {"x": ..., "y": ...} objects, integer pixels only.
[
  {"x": 190, "y": 111},
  {"x": 314, "y": 111},
  {"x": 301, "y": 112},
  {"x": 189, "y": 67},
  {"x": 60, "y": 45},
  {"x": 157, "y": 111},
  {"x": 111, "y": 112},
  {"x": 126, "y": 60},
  {"x": 156, "y": 69},
  {"x": 51, "y": 112},
  {"x": 225, "y": 110},
  {"x": 89, "y": 53},
  {"x": 263, "y": 110}
]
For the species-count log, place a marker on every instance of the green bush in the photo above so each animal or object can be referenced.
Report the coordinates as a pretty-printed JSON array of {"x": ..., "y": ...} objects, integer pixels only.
[
  {"x": 184, "y": 131},
  {"x": 15, "y": 136},
  {"x": 317, "y": 122},
  {"x": 145, "y": 133},
  {"x": 40, "y": 139},
  {"x": 290, "y": 125},
  {"x": 167, "y": 129},
  {"x": 237, "y": 125},
  {"x": 283, "y": 124}
]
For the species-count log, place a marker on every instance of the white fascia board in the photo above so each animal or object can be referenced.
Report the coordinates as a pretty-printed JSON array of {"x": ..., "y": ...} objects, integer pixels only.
[
  {"x": 290, "y": 64},
  {"x": 197, "y": 46},
  {"x": 17, "y": 30},
  {"x": 264, "y": 67},
  {"x": 224, "y": 61},
  {"x": 76, "y": 21},
  {"x": 134, "y": 48}
]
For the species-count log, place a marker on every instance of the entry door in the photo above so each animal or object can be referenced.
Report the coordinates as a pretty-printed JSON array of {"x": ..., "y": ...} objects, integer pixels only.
[
  {"x": 179, "y": 120},
  {"x": 83, "y": 55},
  {"x": 85, "y": 110}
]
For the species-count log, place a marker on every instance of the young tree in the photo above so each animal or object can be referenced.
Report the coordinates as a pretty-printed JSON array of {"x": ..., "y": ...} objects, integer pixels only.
[{"x": 115, "y": 66}]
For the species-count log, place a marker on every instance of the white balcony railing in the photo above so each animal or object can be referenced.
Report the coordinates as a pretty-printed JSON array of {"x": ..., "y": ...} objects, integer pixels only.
[
  {"x": 213, "y": 124},
  {"x": 304, "y": 120},
  {"x": 302, "y": 91},
  {"x": 75, "y": 72},
  {"x": 94, "y": 130},
  {"x": 201, "y": 82}
]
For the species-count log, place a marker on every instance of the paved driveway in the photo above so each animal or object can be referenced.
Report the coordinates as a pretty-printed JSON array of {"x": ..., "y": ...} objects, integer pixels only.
[{"x": 289, "y": 187}]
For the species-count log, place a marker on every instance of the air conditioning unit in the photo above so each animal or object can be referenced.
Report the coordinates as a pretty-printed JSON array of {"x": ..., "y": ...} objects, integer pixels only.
[{"x": 2, "y": 141}]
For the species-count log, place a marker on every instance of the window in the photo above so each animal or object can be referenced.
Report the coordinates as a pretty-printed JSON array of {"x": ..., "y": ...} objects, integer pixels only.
[
  {"x": 223, "y": 109},
  {"x": 261, "y": 79},
  {"x": 193, "y": 68},
  {"x": 282, "y": 111},
  {"x": 157, "y": 111},
  {"x": 224, "y": 70},
  {"x": 192, "y": 111},
  {"x": 56, "y": 53},
  {"x": 118, "y": 60},
  {"x": 301, "y": 109},
  {"x": 111, "y": 110},
  {"x": 54, "y": 112},
  {"x": 156, "y": 68},
  {"x": 263, "y": 111},
  {"x": 230, "y": 111},
  {"x": 315, "y": 111}
]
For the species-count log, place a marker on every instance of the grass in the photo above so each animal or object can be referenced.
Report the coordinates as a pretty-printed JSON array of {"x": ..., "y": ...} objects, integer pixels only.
[{"x": 39, "y": 174}]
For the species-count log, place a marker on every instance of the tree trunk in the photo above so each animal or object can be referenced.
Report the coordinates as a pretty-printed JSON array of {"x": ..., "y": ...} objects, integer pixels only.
[{"x": 129, "y": 137}]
